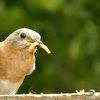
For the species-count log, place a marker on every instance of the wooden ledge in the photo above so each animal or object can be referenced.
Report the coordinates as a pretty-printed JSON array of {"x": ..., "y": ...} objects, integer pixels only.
[{"x": 62, "y": 96}]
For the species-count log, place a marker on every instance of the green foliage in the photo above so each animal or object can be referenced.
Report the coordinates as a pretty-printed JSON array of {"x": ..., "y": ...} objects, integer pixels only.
[{"x": 71, "y": 30}]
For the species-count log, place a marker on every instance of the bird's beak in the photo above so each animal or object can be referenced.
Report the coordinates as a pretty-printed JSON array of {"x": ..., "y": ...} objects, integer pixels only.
[
  {"x": 30, "y": 42},
  {"x": 39, "y": 41}
]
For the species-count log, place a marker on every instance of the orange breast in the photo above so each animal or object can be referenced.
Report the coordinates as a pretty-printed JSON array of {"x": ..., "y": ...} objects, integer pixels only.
[{"x": 14, "y": 65}]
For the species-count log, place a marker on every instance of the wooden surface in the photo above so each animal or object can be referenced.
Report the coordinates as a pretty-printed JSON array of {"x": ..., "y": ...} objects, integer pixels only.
[{"x": 62, "y": 96}]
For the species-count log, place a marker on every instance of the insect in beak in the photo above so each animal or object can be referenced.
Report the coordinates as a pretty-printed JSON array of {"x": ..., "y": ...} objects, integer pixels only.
[{"x": 37, "y": 43}]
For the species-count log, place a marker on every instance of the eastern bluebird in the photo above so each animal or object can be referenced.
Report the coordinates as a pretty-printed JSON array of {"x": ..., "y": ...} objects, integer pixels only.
[{"x": 17, "y": 58}]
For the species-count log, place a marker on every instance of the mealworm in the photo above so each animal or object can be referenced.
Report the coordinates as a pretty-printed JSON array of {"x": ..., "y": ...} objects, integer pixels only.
[
  {"x": 33, "y": 45},
  {"x": 45, "y": 48}
]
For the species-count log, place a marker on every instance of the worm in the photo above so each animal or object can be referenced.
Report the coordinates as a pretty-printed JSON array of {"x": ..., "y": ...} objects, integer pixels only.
[{"x": 33, "y": 45}]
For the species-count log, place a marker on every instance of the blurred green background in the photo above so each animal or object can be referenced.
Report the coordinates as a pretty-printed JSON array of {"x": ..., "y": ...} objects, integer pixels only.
[{"x": 70, "y": 28}]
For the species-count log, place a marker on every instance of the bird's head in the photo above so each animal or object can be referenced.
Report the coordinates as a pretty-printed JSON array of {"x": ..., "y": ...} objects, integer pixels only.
[{"x": 19, "y": 38}]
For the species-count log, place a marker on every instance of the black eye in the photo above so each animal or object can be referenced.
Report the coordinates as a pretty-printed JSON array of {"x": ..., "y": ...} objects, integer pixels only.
[{"x": 22, "y": 35}]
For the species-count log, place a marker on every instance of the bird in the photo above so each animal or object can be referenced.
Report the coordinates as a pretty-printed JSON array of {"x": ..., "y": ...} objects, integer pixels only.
[{"x": 15, "y": 60}]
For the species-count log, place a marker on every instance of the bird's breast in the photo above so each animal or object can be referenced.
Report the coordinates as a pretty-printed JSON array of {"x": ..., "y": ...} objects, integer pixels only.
[
  {"x": 14, "y": 65},
  {"x": 7, "y": 87}
]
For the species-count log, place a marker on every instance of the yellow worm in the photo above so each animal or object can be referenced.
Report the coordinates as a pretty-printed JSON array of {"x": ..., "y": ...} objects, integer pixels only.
[
  {"x": 33, "y": 45},
  {"x": 45, "y": 48}
]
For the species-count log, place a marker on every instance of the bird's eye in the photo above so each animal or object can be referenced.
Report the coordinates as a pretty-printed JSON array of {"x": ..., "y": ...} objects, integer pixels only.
[{"x": 22, "y": 35}]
